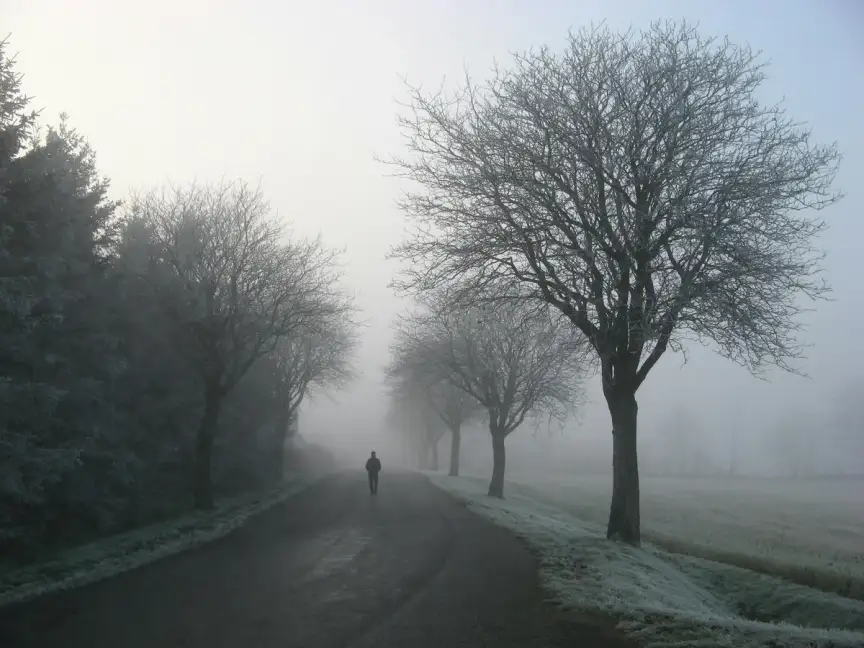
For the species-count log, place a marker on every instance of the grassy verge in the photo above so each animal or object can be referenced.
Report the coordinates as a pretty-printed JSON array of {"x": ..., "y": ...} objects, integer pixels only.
[
  {"x": 826, "y": 580},
  {"x": 665, "y": 600},
  {"x": 834, "y": 575},
  {"x": 116, "y": 554}
]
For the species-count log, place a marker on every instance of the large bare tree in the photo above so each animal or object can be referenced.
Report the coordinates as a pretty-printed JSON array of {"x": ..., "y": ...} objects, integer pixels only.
[
  {"x": 515, "y": 359},
  {"x": 233, "y": 285},
  {"x": 635, "y": 183}
]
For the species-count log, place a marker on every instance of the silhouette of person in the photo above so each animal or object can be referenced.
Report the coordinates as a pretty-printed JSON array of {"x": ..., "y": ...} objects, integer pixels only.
[{"x": 373, "y": 467}]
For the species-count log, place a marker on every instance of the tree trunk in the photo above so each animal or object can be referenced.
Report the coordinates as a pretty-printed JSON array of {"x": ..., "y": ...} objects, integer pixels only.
[
  {"x": 455, "y": 446},
  {"x": 283, "y": 426},
  {"x": 496, "y": 486},
  {"x": 203, "y": 485},
  {"x": 624, "y": 512}
]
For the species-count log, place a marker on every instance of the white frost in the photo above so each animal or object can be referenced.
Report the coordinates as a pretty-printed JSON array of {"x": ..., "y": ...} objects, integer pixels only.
[
  {"x": 660, "y": 599},
  {"x": 111, "y": 556},
  {"x": 816, "y": 525}
]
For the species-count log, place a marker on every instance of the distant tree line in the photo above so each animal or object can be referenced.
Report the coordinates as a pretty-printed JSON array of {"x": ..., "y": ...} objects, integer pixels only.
[
  {"x": 153, "y": 353},
  {"x": 503, "y": 363}
]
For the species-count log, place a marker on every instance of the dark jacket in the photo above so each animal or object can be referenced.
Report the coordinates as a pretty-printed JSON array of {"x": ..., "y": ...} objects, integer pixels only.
[{"x": 373, "y": 464}]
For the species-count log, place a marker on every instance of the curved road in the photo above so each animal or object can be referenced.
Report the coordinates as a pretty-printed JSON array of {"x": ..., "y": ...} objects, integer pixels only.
[{"x": 331, "y": 567}]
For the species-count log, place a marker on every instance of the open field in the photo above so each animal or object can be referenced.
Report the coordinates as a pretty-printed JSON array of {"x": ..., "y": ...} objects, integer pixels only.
[
  {"x": 808, "y": 531},
  {"x": 662, "y": 599}
]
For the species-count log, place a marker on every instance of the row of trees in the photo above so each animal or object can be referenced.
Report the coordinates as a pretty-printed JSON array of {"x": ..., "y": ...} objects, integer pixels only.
[
  {"x": 635, "y": 184},
  {"x": 506, "y": 362},
  {"x": 148, "y": 350}
]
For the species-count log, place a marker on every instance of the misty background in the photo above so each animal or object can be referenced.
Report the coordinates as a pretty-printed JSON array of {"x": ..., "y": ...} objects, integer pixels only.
[{"x": 302, "y": 96}]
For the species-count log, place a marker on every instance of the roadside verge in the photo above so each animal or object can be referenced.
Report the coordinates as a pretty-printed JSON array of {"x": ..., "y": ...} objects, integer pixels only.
[
  {"x": 115, "y": 554},
  {"x": 662, "y": 599}
]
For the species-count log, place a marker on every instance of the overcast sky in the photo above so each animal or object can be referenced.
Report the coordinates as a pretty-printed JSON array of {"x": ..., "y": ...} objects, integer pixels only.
[{"x": 301, "y": 95}]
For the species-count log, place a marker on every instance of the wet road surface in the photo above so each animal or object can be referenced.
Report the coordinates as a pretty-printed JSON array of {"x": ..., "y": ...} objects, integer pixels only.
[{"x": 332, "y": 567}]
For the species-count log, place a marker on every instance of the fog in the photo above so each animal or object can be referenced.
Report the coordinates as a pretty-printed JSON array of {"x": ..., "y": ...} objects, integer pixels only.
[{"x": 303, "y": 96}]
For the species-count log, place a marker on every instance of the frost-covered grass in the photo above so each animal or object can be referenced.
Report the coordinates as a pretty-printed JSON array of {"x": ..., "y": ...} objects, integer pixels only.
[
  {"x": 116, "y": 554},
  {"x": 810, "y": 532},
  {"x": 660, "y": 599}
]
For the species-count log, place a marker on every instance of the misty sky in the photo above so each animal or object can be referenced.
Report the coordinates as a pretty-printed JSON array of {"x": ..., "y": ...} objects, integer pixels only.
[{"x": 301, "y": 95}]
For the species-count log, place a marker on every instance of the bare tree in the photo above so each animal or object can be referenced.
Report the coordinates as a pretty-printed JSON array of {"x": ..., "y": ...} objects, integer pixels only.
[
  {"x": 232, "y": 285},
  {"x": 418, "y": 423},
  {"x": 634, "y": 183},
  {"x": 515, "y": 360},
  {"x": 455, "y": 407},
  {"x": 311, "y": 360},
  {"x": 452, "y": 405}
]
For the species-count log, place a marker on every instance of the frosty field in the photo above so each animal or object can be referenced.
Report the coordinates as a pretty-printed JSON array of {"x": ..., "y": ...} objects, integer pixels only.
[
  {"x": 809, "y": 531},
  {"x": 661, "y": 599}
]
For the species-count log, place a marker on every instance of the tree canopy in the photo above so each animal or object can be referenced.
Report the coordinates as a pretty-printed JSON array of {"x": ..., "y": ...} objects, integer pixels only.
[
  {"x": 634, "y": 182},
  {"x": 117, "y": 326},
  {"x": 514, "y": 361}
]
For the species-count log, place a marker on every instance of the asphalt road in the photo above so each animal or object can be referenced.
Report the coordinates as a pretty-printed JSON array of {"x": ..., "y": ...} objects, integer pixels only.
[{"x": 331, "y": 567}]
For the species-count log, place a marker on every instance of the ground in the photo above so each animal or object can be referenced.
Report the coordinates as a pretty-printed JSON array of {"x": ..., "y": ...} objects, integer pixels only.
[
  {"x": 663, "y": 598},
  {"x": 106, "y": 557},
  {"x": 331, "y": 566},
  {"x": 809, "y": 530}
]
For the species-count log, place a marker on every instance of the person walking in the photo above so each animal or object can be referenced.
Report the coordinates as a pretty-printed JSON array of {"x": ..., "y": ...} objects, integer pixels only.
[{"x": 373, "y": 467}]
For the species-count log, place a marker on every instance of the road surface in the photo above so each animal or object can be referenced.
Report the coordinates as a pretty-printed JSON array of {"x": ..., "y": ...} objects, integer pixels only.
[{"x": 330, "y": 567}]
